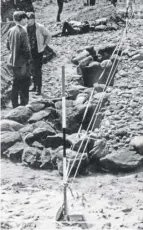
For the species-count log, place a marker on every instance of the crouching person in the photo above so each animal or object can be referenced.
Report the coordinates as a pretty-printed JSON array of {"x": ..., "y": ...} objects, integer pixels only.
[
  {"x": 18, "y": 45},
  {"x": 39, "y": 38}
]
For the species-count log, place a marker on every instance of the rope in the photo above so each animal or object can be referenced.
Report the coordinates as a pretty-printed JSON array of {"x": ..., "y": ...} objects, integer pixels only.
[{"x": 96, "y": 106}]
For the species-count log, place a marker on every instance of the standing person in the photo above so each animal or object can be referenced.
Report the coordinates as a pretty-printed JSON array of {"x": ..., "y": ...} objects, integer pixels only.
[
  {"x": 39, "y": 38},
  {"x": 129, "y": 5},
  {"x": 60, "y": 9},
  {"x": 18, "y": 44}
]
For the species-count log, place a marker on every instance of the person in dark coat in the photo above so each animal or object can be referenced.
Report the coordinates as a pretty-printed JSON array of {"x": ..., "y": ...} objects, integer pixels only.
[
  {"x": 60, "y": 9},
  {"x": 39, "y": 38},
  {"x": 18, "y": 45}
]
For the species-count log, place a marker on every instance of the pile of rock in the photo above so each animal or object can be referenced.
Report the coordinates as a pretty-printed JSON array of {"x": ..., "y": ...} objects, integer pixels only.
[
  {"x": 32, "y": 134},
  {"x": 92, "y": 61}
]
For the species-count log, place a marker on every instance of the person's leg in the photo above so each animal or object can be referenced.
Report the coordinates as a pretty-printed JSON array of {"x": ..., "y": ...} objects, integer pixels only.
[
  {"x": 24, "y": 91},
  {"x": 14, "y": 94},
  {"x": 33, "y": 73},
  {"x": 60, "y": 8},
  {"x": 38, "y": 79},
  {"x": 67, "y": 29}
]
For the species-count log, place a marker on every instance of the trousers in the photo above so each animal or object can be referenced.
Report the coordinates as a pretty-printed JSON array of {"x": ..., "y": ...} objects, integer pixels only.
[
  {"x": 60, "y": 8},
  {"x": 20, "y": 88},
  {"x": 37, "y": 61}
]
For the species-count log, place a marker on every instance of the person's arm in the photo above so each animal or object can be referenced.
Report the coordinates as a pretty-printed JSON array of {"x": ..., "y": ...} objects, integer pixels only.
[
  {"x": 25, "y": 46},
  {"x": 46, "y": 35},
  {"x": 7, "y": 42}
]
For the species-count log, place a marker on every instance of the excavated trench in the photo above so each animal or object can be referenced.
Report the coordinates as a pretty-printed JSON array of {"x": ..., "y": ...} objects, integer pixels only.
[{"x": 41, "y": 127}]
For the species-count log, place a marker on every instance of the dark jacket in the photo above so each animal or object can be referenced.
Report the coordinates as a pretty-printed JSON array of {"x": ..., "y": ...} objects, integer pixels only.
[{"x": 18, "y": 45}]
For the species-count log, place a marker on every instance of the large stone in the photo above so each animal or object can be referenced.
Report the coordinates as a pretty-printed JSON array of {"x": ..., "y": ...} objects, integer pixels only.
[
  {"x": 55, "y": 141},
  {"x": 58, "y": 104},
  {"x": 8, "y": 139},
  {"x": 20, "y": 114},
  {"x": 138, "y": 56},
  {"x": 76, "y": 161},
  {"x": 80, "y": 56},
  {"x": 15, "y": 152},
  {"x": 40, "y": 133},
  {"x": 81, "y": 98},
  {"x": 122, "y": 161},
  {"x": 9, "y": 125},
  {"x": 91, "y": 73},
  {"x": 39, "y": 116},
  {"x": 49, "y": 127},
  {"x": 45, "y": 101},
  {"x": 137, "y": 143},
  {"x": 37, "y": 158},
  {"x": 81, "y": 143},
  {"x": 74, "y": 91},
  {"x": 99, "y": 150},
  {"x": 28, "y": 128},
  {"x": 75, "y": 117},
  {"x": 36, "y": 106}
]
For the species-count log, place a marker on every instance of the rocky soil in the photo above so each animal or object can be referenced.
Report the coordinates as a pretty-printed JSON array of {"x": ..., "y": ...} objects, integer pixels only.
[{"x": 30, "y": 196}]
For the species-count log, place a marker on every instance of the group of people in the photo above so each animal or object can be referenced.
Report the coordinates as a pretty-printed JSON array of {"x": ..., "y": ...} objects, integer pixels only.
[{"x": 26, "y": 42}]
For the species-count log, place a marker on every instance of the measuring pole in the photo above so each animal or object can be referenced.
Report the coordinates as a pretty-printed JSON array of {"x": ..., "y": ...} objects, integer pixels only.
[{"x": 64, "y": 143}]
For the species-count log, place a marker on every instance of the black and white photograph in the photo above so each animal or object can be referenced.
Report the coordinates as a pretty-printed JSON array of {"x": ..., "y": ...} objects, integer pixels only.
[{"x": 71, "y": 115}]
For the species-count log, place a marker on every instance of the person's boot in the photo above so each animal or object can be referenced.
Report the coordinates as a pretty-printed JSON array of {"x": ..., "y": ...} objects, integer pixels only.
[{"x": 38, "y": 91}]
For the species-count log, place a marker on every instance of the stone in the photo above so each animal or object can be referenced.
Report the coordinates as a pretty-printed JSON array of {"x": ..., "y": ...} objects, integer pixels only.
[
  {"x": 91, "y": 73},
  {"x": 74, "y": 91},
  {"x": 84, "y": 62},
  {"x": 39, "y": 116},
  {"x": 29, "y": 139},
  {"x": 121, "y": 131},
  {"x": 37, "y": 158},
  {"x": 36, "y": 106},
  {"x": 46, "y": 126},
  {"x": 99, "y": 87},
  {"x": 81, "y": 143},
  {"x": 54, "y": 141},
  {"x": 106, "y": 64},
  {"x": 81, "y": 99},
  {"x": 58, "y": 104},
  {"x": 15, "y": 152},
  {"x": 140, "y": 64},
  {"x": 123, "y": 73},
  {"x": 99, "y": 150},
  {"x": 9, "y": 125},
  {"x": 100, "y": 28},
  {"x": 8, "y": 139},
  {"x": 122, "y": 160},
  {"x": 138, "y": 56},
  {"x": 75, "y": 117},
  {"x": 137, "y": 144},
  {"x": 20, "y": 114},
  {"x": 28, "y": 128},
  {"x": 101, "y": 21},
  {"x": 36, "y": 144},
  {"x": 40, "y": 133},
  {"x": 80, "y": 56},
  {"x": 45, "y": 101},
  {"x": 80, "y": 158}
]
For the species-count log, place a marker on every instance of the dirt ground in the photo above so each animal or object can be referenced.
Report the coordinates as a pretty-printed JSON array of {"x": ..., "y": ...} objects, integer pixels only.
[{"x": 30, "y": 198}]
